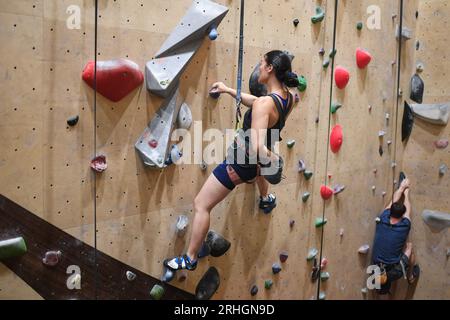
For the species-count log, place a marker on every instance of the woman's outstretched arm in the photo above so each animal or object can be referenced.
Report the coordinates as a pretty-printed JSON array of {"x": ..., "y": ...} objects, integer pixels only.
[{"x": 246, "y": 99}]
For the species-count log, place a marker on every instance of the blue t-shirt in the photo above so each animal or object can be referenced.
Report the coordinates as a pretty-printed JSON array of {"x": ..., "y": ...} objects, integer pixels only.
[{"x": 389, "y": 239}]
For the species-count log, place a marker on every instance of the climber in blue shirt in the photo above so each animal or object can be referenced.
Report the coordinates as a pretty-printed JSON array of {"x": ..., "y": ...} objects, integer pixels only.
[{"x": 391, "y": 251}]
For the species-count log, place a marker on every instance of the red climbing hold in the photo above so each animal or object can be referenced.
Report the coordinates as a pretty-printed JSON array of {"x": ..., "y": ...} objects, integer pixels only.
[
  {"x": 115, "y": 78},
  {"x": 336, "y": 138},
  {"x": 341, "y": 77},
  {"x": 363, "y": 58},
  {"x": 326, "y": 192},
  {"x": 153, "y": 143}
]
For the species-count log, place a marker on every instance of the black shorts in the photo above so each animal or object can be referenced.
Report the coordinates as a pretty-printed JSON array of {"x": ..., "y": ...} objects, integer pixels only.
[{"x": 394, "y": 272}]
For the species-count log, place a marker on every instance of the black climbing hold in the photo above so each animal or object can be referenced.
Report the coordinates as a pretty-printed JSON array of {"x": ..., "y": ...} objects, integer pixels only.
[
  {"x": 254, "y": 290},
  {"x": 255, "y": 87},
  {"x": 204, "y": 251},
  {"x": 401, "y": 178},
  {"x": 359, "y": 25},
  {"x": 417, "y": 14},
  {"x": 380, "y": 150},
  {"x": 408, "y": 122},
  {"x": 315, "y": 271},
  {"x": 295, "y": 22},
  {"x": 208, "y": 284},
  {"x": 218, "y": 244},
  {"x": 417, "y": 45},
  {"x": 417, "y": 88},
  {"x": 73, "y": 120}
]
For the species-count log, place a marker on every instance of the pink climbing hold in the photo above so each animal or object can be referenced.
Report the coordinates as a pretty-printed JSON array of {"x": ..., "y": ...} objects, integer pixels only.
[
  {"x": 51, "y": 258},
  {"x": 153, "y": 143},
  {"x": 326, "y": 192},
  {"x": 115, "y": 78},
  {"x": 323, "y": 263},
  {"x": 441, "y": 144},
  {"x": 336, "y": 139},
  {"x": 99, "y": 164},
  {"x": 363, "y": 58},
  {"x": 342, "y": 77}
]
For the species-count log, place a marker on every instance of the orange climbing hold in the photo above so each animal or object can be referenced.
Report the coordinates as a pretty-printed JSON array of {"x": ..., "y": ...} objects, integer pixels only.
[
  {"x": 363, "y": 58},
  {"x": 326, "y": 192},
  {"x": 342, "y": 77},
  {"x": 336, "y": 139}
]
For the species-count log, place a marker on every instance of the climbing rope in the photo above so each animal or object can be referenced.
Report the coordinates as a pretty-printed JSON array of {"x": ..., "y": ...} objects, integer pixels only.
[
  {"x": 336, "y": 4},
  {"x": 95, "y": 146},
  {"x": 399, "y": 61},
  {"x": 239, "y": 74}
]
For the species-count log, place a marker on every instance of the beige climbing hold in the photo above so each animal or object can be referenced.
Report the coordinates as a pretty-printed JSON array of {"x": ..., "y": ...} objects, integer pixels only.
[
  {"x": 364, "y": 249},
  {"x": 436, "y": 220},
  {"x": 432, "y": 113}
]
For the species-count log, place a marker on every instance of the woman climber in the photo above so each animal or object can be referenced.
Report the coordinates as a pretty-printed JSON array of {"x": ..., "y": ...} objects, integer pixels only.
[{"x": 262, "y": 124}]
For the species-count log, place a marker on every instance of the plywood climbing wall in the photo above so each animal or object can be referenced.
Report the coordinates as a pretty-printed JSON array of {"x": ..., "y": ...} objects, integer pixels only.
[{"x": 44, "y": 164}]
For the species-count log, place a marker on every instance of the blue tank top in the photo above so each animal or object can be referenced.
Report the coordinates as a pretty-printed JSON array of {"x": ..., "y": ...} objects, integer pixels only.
[{"x": 389, "y": 239}]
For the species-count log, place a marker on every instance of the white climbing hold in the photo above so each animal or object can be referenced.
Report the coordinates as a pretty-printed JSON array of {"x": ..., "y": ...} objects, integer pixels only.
[
  {"x": 389, "y": 142},
  {"x": 433, "y": 113},
  {"x": 381, "y": 133},
  {"x": 203, "y": 165},
  {"x": 130, "y": 275},
  {"x": 443, "y": 170},
  {"x": 312, "y": 254},
  {"x": 375, "y": 171},
  {"x": 394, "y": 164},
  {"x": 436, "y": 220},
  {"x": 419, "y": 67},
  {"x": 370, "y": 108},
  {"x": 364, "y": 249},
  {"x": 387, "y": 116},
  {"x": 341, "y": 232},
  {"x": 184, "y": 119},
  {"x": 364, "y": 290},
  {"x": 383, "y": 194},
  {"x": 374, "y": 188},
  {"x": 377, "y": 220},
  {"x": 182, "y": 224}
]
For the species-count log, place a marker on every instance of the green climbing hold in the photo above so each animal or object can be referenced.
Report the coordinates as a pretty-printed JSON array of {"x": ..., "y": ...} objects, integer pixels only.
[
  {"x": 318, "y": 17},
  {"x": 268, "y": 284},
  {"x": 332, "y": 53},
  {"x": 12, "y": 248},
  {"x": 324, "y": 276},
  {"x": 312, "y": 253},
  {"x": 326, "y": 63},
  {"x": 303, "y": 83},
  {"x": 308, "y": 174},
  {"x": 335, "y": 106},
  {"x": 290, "y": 144},
  {"x": 157, "y": 292},
  {"x": 320, "y": 222},
  {"x": 305, "y": 196},
  {"x": 359, "y": 25}
]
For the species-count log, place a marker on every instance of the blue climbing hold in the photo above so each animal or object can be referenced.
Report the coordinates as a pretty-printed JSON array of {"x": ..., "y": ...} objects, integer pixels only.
[{"x": 213, "y": 33}]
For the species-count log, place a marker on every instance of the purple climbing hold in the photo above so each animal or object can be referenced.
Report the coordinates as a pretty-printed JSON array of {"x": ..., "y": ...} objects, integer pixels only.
[
  {"x": 283, "y": 256},
  {"x": 214, "y": 94},
  {"x": 276, "y": 268},
  {"x": 322, "y": 51},
  {"x": 254, "y": 290},
  {"x": 291, "y": 223},
  {"x": 51, "y": 258}
]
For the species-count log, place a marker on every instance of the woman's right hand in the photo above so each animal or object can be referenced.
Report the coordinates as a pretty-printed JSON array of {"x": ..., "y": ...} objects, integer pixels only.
[{"x": 219, "y": 87}]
